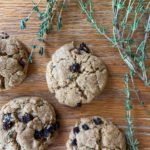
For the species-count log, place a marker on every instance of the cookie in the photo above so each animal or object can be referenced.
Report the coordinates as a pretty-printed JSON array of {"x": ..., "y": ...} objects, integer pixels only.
[
  {"x": 13, "y": 62},
  {"x": 95, "y": 133},
  {"x": 27, "y": 123},
  {"x": 75, "y": 75}
]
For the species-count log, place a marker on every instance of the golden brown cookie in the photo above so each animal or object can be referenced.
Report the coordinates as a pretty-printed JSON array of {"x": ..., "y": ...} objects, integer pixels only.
[
  {"x": 27, "y": 123},
  {"x": 96, "y": 133},
  {"x": 75, "y": 75},
  {"x": 13, "y": 62}
]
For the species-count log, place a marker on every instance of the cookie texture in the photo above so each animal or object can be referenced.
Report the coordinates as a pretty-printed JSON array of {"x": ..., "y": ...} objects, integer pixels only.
[
  {"x": 13, "y": 62},
  {"x": 75, "y": 75},
  {"x": 27, "y": 123},
  {"x": 95, "y": 133}
]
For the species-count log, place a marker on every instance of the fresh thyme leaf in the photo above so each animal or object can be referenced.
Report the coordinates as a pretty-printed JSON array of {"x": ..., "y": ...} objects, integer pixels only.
[
  {"x": 23, "y": 23},
  {"x": 59, "y": 23},
  {"x": 134, "y": 26},
  {"x": 36, "y": 8},
  {"x": 120, "y": 5},
  {"x": 34, "y": 46},
  {"x": 30, "y": 58}
]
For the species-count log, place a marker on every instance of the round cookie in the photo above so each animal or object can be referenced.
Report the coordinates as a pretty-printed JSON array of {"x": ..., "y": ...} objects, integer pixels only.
[
  {"x": 27, "y": 123},
  {"x": 75, "y": 75},
  {"x": 95, "y": 134},
  {"x": 13, "y": 62}
]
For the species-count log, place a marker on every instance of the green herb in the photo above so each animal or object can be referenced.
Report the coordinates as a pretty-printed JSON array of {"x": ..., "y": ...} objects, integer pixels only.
[
  {"x": 124, "y": 44},
  {"x": 30, "y": 57},
  {"x": 137, "y": 93},
  {"x": 132, "y": 52},
  {"x": 59, "y": 20},
  {"x": 23, "y": 23},
  {"x": 46, "y": 18},
  {"x": 131, "y": 140},
  {"x": 41, "y": 51}
]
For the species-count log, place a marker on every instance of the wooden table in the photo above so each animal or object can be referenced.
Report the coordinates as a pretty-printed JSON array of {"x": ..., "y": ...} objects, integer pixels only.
[{"x": 110, "y": 104}]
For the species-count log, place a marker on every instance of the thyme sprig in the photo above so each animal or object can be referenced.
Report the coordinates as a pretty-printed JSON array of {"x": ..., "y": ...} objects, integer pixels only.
[
  {"x": 123, "y": 39},
  {"x": 46, "y": 17},
  {"x": 123, "y": 44},
  {"x": 131, "y": 140}
]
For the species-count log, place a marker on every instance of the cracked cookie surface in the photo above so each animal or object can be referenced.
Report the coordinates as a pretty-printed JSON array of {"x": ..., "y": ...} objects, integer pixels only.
[
  {"x": 95, "y": 133},
  {"x": 27, "y": 123},
  {"x": 75, "y": 75},
  {"x": 13, "y": 62}
]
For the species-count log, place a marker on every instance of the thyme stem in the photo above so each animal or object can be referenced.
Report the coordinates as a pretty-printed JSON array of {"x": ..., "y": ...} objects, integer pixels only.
[
  {"x": 131, "y": 141},
  {"x": 128, "y": 11}
]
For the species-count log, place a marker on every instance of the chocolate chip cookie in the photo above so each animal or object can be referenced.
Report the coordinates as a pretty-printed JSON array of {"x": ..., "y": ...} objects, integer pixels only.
[
  {"x": 13, "y": 62},
  {"x": 75, "y": 75},
  {"x": 27, "y": 123},
  {"x": 95, "y": 133}
]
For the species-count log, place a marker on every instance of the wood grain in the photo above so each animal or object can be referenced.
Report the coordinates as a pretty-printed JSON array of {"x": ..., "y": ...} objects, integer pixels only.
[{"x": 111, "y": 103}]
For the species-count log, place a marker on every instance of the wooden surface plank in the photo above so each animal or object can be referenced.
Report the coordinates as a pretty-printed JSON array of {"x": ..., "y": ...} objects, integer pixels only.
[{"x": 110, "y": 104}]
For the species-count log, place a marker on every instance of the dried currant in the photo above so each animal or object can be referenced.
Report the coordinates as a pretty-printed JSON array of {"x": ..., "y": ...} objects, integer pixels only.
[
  {"x": 38, "y": 134},
  {"x": 85, "y": 127},
  {"x": 97, "y": 121},
  {"x": 75, "y": 68},
  {"x": 7, "y": 125},
  {"x": 4, "y": 35},
  {"x": 21, "y": 62},
  {"x": 48, "y": 130},
  {"x": 44, "y": 133},
  {"x": 2, "y": 82},
  {"x": 83, "y": 47},
  {"x": 79, "y": 104},
  {"x": 56, "y": 125},
  {"x": 74, "y": 142},
  {"x": 7, "y": 121},
  {"x": 26, "y": 118},
  {"x": 76, "y": 130}
]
